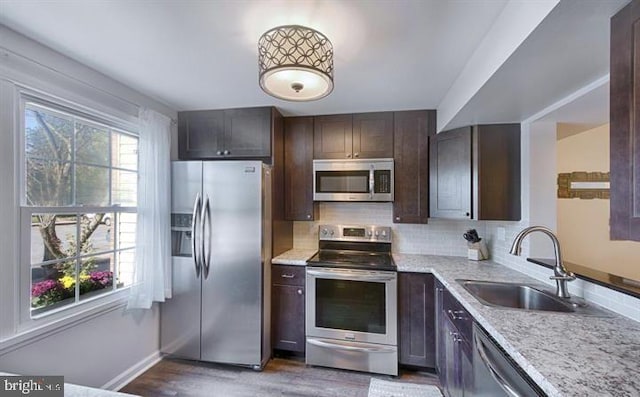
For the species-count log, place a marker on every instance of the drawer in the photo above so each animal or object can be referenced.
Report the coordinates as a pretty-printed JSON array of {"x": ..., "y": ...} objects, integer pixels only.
[
  {"x": 458, "y": 316},
  {"x": 287, "y": 275}
]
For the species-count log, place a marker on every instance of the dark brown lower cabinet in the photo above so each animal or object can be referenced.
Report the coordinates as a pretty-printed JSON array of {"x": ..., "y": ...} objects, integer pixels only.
[
  {"x": 454, "y": 345},
  {"x": 417, "y": 324},
  {"x": 287, "y": 307},
  {"x": 459, "y": 361}
]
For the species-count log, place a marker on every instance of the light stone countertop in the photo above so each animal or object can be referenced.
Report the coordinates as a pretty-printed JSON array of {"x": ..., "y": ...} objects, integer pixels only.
[
  {"x": 296, "y": 257},
  {"x": 566, "y": 354}
]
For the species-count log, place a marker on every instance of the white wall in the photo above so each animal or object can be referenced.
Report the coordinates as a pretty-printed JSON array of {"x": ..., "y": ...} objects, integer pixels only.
[
  {"x": 99, "y": 350},
  {"x": 583, "y": 225},
  {"x": 540, "y": 144}
]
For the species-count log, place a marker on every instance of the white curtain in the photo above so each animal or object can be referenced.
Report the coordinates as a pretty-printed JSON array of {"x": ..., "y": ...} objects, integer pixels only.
[{"x": 151, "y": 277}]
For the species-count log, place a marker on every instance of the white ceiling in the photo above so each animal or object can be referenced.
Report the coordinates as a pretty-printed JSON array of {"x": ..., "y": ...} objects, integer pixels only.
[
  {"x": 592, "y": 108},
  {"x": 401, "y": 54},
  {"x": 389, "y": 55},
  {"x": 566, "y": 52}
]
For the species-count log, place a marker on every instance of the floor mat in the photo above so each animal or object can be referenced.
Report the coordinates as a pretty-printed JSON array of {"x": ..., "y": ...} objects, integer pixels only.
[{"x": 383, "y": 388}]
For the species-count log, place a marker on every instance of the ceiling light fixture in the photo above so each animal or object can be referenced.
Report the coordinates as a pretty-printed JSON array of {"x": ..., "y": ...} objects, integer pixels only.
[{"x": 296, "y": 63}]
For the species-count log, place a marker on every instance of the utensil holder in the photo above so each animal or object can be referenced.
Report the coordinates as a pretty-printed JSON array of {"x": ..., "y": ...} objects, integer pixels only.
[{"x": 478, "y": 251}]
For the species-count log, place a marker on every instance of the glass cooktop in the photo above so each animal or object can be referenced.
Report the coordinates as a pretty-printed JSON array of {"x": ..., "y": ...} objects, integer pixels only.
[{"x": 353, "y": 260}]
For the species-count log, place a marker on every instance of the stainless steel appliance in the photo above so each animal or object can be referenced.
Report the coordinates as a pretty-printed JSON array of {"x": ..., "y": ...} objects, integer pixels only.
[
  {"x": 351, "y": 300},
  {"x": 353, "y": 180},
  {"x": 494, "y": 372},
  {"x": 219, "y": 310}
]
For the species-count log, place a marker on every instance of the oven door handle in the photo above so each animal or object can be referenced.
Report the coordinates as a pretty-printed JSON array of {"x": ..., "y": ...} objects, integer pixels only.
[
  {"x": 350, "y": 276},
  {"x": 340, "y": 346}
]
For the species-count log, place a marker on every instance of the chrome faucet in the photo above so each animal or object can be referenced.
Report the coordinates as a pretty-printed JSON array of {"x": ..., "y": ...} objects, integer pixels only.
[{"x": 560, "y": 273}]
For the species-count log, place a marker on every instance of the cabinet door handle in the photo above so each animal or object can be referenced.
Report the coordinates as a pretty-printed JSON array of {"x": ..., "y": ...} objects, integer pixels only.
[
  {"x": 466, "y": 214},
  {"x": 308, "y": 216},
  {"x": 356, "y": 155},
  {"x": 454, "y": 336},
  {"x": 456, "y": 314},
  {"x": 288, "y": 275},
  {"x": 299, "y": 291},
  {"x": 349, "y": 155},
  {"x": 397, "y": 218}
]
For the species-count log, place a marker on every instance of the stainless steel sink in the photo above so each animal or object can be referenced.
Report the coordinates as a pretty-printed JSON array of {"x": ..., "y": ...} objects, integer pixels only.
[{"x": 516, "y": 296}]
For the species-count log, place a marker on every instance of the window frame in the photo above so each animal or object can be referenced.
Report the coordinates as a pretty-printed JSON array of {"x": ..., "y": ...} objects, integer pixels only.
[{"x": 104, "y": 301}]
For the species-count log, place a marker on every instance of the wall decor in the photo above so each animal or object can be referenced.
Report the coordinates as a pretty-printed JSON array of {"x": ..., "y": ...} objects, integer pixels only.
[{"x": 583, "y": 185}]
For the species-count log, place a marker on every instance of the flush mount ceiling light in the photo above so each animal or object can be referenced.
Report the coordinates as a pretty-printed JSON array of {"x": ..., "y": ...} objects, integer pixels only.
[{"x": 296, "y": 63}]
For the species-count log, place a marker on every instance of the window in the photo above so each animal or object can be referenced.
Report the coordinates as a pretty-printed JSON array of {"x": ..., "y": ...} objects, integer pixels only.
[{"x": 78, "y": 206}]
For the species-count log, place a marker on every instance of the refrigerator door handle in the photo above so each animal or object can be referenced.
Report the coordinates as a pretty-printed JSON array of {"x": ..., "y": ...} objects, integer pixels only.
[
  {"x": 194, "y": 234},
  {"x": 206, "y": 248}
]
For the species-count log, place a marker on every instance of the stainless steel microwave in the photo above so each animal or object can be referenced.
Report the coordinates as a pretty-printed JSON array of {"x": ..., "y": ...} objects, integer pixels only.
[{"x": 353, "y": 180}]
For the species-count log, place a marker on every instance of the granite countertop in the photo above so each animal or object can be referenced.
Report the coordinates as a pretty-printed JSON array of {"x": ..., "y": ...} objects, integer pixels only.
[
  {"x": 566, "y": 354},
  {"x": 296, "y": 257}
]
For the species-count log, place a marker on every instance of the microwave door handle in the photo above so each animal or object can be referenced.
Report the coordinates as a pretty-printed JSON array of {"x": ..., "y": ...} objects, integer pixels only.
[{"x": 372, "y": 182}]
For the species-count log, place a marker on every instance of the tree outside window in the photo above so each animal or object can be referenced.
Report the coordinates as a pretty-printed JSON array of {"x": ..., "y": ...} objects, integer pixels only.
[{"x": 80, "y": 192}]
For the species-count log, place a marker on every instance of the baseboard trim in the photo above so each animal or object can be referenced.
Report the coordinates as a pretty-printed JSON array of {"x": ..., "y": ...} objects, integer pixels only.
[{"x": 132, "y": 372}]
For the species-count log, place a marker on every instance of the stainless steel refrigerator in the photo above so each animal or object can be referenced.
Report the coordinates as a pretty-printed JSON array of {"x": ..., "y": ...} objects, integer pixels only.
[{"x": 221, "y": 252}]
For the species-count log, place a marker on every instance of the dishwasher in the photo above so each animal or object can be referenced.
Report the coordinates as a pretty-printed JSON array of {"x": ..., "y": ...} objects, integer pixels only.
[{"x": 495, "y": 373}]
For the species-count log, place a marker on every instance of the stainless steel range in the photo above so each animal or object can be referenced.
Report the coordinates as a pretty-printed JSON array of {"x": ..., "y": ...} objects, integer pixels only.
[{"x": 351, "y": 300}]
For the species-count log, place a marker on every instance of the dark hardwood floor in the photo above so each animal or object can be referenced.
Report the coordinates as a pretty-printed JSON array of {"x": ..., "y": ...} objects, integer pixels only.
[{"x": 281, "y": 377}]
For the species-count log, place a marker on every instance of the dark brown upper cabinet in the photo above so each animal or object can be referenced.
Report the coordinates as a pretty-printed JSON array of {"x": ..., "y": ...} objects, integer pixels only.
[
  {"x": 352, "y": 136},
  {"x": 411, "y": 165},
  {"x": 625, "y": 123},
  {"x": 373, "y": 135},
  {"x": 475, "y": 173},
  {"x": 298, "y": 169},
  {"x": 225, "y": 134},
  {"x": 450, "y": 169}
]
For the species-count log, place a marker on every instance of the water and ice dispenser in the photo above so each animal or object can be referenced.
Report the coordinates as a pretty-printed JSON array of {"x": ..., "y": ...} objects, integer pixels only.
[{"x": 181, "y": 234}]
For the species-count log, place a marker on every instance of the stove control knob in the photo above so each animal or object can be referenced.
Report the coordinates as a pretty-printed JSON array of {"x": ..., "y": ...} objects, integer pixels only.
[
  {"x": 324, "y": 232},
  {"x": 331, "y": 232},
  {"x": 384, "y": 233},
  {"x": 377, "y": 233},
  {"x": 369, "y": 233}
]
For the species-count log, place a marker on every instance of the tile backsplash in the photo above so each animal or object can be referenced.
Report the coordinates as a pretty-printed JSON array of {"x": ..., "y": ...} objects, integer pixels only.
[
  {"x": 438, "y": 237},
  {"x": 444, "y": 237}
]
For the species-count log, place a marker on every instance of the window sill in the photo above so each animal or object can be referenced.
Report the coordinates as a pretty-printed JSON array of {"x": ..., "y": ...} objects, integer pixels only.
[{"x": 28, "y": 334}]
